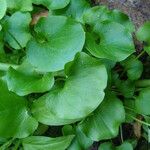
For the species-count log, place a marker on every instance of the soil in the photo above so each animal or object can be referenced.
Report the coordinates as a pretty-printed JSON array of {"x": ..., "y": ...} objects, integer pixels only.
[{"x": 139, "y": 12}]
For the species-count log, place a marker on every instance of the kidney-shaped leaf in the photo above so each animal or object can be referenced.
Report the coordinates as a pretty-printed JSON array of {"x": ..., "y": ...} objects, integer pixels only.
[
  {"x": 47, "y": 143},
  {"x": 24, "y": 80},
  {"x": 81, "y": 93},
  {"x": 104, "y": 122},
  {"x": 113, "y": 41},
  {"x": 142, "y": 102},
  {"x": 3, "y": 7},
  {"x": 16, "y": 30},
  {"x": 52, "y": 4},
  {"x": 15, "y": 120},
  {"x": 58, "y": 40}
]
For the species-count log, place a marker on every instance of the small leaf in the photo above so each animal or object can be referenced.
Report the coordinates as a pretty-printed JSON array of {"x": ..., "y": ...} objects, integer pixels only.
[
  {"x": 125, "y": 146},
  {"x": 16, "y": 30},
  {"x": 102, "y": 13},
  {"x": 52, "y": 4},
  {"x": 25, "y": 80},
  {"x": 15, "y": 119},
  {"x": 106, "y": 146},
  {"x": 75, "y": 9},
  {"x": 3, "y": 8},
  {"x": 47, "y": 143},
  {"x": 133, "y": 66},
  {"x": 57, "y": 45},
  {"x": 142, "y": 102},
  {"x": 105, "y": 121},
  {"x": 107, "y": 44},
  {"x": 143, "y": 33},
  {"x": 19, "y": 5},
  {"x": 75, "y": 98}
]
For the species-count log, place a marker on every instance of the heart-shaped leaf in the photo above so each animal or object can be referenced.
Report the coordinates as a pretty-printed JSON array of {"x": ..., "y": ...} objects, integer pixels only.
[
  {"x": 24, "y": 80},
  {"x": 47, "y": 143},
  {"x": 15, "y": 119},
  {"x": 52, "y": 4},
  {"x": 107, "y": 45},
  {"x": 104, "y": 122},
  {"x": 81, "y": 93},
  {"x": 16, "y": 30},
  {"x": 57, "y": 45}
]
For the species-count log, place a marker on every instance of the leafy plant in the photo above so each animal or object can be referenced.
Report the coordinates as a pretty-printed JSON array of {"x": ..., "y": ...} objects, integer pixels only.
[{"x": 71, "y": 78}]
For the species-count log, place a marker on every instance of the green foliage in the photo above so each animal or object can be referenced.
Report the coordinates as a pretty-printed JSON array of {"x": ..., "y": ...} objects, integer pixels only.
[{"x": 72, "y": 77}]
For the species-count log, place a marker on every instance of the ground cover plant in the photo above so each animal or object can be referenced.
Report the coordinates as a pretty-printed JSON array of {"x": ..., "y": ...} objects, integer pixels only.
[{"x": 70, "y": 76}]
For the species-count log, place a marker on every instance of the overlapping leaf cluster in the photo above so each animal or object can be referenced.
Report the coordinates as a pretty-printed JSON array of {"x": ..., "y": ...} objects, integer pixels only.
[{"x": 74, "y": 68}]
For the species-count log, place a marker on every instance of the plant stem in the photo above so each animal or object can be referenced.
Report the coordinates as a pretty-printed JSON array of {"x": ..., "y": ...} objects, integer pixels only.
[
  {"x": 5, "y": 66},
  {"x": 143, "y": 83},
  {"x": 138, "y": 56},
  {"x": 121, "y": 134},
  {"x": 6, "y": 145},
  {"x": 17, "y": 144}
]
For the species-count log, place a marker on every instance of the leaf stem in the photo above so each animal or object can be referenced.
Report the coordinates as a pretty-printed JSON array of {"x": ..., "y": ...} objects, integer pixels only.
[
  {"x": 5, "y": 66},
  {"x": 143, "y": 83},
  {"x": 6, "y": 145},
  {"x": 139, "y": 55},
  {"x": 121, "y": 134}
]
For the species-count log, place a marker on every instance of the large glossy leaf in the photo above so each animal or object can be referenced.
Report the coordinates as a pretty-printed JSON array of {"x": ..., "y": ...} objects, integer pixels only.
[
  {"x": 21, "y": 5},
  {"x": 16, "y": 30},
  {"x": 53, "y": 47},
  {"x": 24, "y": 80},
  {"x": 78, "y": 96},
  {"x": 104, "y": 122},
  {"x": 134, "y": 67},
  {"x": 102, "y": 13},
  {"x": 107, "y": 45},
  {"x": 47, "y": 143},
  {"x": 15, "y": 119},
  {"x": 3, "y": 7},
  {"x": 142, "y": 102},
  {"x": 75, "y": 9},
  {"x": 52, "y": 4}
]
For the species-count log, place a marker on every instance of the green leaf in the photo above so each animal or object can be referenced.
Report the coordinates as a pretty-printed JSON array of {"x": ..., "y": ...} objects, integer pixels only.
[
  {"x": 81, "y": 141},
  {"x": 107, "y": 44},
  {"x": 126, "y": 87},
  {"x": 52, "y": 4},
  {"x": 106, "y": 146},
  {"x": 16, "y": 30},
  {"x": 142, "y": 102},
  {"x": 24, "y": 80},
  {"x": 102, "y": 13},
  {"x": 129, "y": 105},
  {"x": 105, "y": 121},
  {"x": 143, "y": 33},
  {"x": 109, "y": 146},
  {"x": 133, "y": 66},
  {"x": 57, "y": 45},
  {"x": 3, "y": 8},
  {"x": 21, "y": 5},
  {"x": 77, "y": 97},
  {"x": 75, "y": 9},
  {"x": 125, "y": 146},
  {"x": 46, "y": 143},
  {"x": 15, "y": 119}
]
